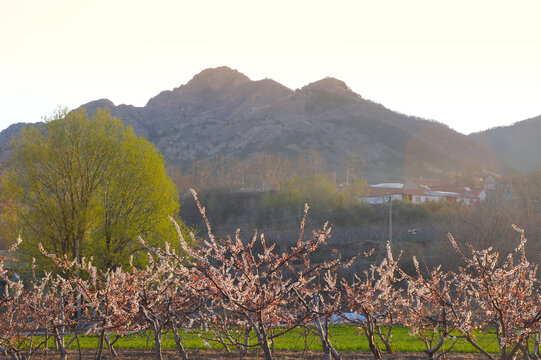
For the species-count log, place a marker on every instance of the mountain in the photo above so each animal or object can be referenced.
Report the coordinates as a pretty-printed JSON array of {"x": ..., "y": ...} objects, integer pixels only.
[
  {"x": 223, "y": 112},
  {"x": 5, "y": 137},
  {"x": 517, "y": 146}
]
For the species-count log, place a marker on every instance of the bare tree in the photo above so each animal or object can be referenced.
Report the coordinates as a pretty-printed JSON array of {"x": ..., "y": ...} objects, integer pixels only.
[
  {"x": 376, "y": 296},
  {"x": 506, "y": 294},
  {"x": 254, "y": 285}
]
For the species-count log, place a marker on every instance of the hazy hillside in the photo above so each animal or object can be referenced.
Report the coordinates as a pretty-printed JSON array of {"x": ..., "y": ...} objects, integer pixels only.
[
  {"x": 5, "y": 137},
  {"x": 517, "y": 146},
  {"x": 222, "y": 112}
]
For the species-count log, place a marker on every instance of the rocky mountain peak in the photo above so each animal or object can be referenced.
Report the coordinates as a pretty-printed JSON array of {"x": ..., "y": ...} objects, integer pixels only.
[
  {"x": 219, "y": 78},
  {"x": 329, "y": 84},
  {"x": 101, "y": 103}
]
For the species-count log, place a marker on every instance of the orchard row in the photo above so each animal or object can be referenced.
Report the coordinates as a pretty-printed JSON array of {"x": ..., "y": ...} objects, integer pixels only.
[{"x": 246, "y": 294}]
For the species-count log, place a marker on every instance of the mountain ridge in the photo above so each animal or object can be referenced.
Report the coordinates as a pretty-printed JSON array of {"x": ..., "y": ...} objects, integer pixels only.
[
  {"x": 222, "y": 112},
  {"x": 230, "y": 114},
  {"x": 517, "y": 145}
]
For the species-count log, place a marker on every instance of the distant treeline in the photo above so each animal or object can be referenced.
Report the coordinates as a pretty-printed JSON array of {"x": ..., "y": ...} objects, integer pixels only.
[
  {"x": 419, "y": 230},
  {"x": 260, "y": 172}
]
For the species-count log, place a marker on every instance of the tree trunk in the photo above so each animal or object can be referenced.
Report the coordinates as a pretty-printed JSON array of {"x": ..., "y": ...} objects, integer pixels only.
[
  {"x": 264, "y": 343},
  {"x": 59, "y": 340},
  {"x": 180, "y": 348},
  {"x": 244, "y": 349},
  {"x": 63, "y": 353},
  {"x": 110, "y": 345},
  {"x": 158, "y": 343},
  {"x": 371, "y": 343},
  {"x": 430, "y": 354},
  {"x": 267, "y": 352},
  {"x": 326, "y": 353},
  {"x": 373, "y": 348},
  {"x": 386, "y": 339},
  {"x": 14, "y": 355},
  {"x": 328, "y": 350},
  {"x": 334, "y": 353},
  {"x": 99, "y": 355},
  {"x": 60, "y": 337}
]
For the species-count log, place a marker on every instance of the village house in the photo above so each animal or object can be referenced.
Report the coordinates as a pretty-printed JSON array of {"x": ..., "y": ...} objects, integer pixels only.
[
  {"x": 419, "y": 191},
  {"x": 499, "y": 188}
]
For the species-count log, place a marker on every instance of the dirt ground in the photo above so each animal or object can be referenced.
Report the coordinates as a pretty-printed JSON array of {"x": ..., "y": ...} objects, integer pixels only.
[{"x": 254, "y": 355}]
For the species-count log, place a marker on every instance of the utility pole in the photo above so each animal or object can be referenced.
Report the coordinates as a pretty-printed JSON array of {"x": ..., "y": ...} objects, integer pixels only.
[
  {"x": 390, "y": 220},
  {"x": 79, "y": 298}
]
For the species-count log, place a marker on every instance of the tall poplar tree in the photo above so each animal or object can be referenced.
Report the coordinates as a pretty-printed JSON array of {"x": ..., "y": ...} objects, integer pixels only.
[{"x": 89, "y": 186}]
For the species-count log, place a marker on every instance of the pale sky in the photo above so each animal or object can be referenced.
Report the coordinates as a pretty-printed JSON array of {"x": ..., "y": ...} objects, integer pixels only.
[{"x": 471, "y": 64}]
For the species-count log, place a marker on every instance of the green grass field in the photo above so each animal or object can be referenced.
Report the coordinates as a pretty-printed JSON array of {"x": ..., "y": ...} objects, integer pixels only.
[{"x": 344, "y": 338}]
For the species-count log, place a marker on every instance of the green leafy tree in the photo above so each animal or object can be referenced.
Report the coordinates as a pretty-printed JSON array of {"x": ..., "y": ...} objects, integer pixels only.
[
  {"x": 8, "y": 220},
  {"x": 318, "y": 190},
  {"x": 134, "y": 200},
  {"x": 89, "y": 186}
]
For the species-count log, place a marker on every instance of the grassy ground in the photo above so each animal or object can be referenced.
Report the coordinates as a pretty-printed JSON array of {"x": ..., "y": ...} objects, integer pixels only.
[{"x": 344, "y": 338}]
